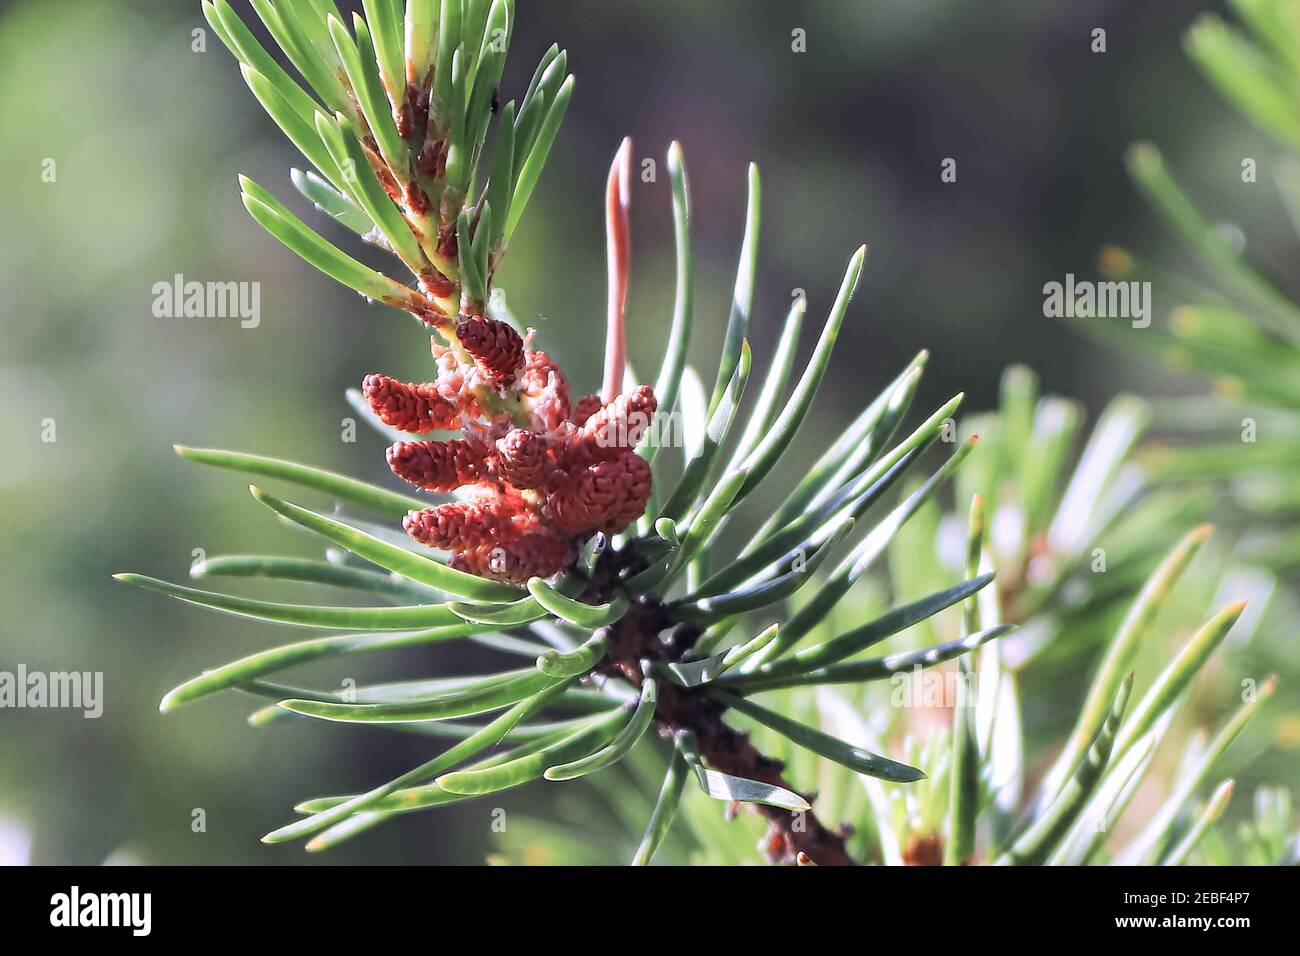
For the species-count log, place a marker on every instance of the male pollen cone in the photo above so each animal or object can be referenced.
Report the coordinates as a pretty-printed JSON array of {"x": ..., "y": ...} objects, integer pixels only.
[
  {"x": 411, "y": 408},
  {"x": 620, "y": 424},
  {"x": 542, "y": 484},
  {"x": 441, "y": 465},
  {"x": 604, "y": 496},
  {"x": 498, "y": 349},
  {"x": 466, "y": 525},
  {"x": 535, "y": 554},
  {"x": 587, "y": 406},
  {"x": 523, "y": 459}
]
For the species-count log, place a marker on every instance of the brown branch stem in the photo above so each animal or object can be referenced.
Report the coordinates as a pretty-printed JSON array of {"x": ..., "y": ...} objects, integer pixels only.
[{"x": 635, "y": 638}]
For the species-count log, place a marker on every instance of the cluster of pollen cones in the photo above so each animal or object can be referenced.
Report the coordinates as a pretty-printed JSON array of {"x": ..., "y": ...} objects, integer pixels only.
[{"x": 530, "y": 493}]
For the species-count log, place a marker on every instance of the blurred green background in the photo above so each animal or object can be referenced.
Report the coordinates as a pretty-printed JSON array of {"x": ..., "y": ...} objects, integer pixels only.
[{"x": 147, "y": 136}]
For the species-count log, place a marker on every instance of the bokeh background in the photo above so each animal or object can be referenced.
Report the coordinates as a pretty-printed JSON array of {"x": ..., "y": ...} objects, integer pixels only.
[{"x": 148, "y": 135}]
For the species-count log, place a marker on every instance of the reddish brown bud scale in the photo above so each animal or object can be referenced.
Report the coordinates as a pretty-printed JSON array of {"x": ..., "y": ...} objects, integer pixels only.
[
  {"x": 386, "y": 178},
  {"x": 404, "y": 120},
  {"x": 537, "y": 554},
  {"x": 416, "y": 200},
  {"x": 433, "y": 164},
  {"x": 605, "y": 496},
  {"x": 408, "y": 407},
  {"x": 426, "y": 313},
  {"x": 441, "y": 465},
  {"x": 436, "y": 284},
  {"x": 447, "y": 243},
  {"x": 414, "y": 113}
]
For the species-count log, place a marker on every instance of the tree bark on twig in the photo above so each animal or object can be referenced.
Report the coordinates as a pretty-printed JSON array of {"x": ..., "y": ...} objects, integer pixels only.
[{"x": 635, "y": 638}]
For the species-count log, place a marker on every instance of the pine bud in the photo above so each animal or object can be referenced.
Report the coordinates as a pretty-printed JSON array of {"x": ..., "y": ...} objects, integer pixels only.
[
  {"x": 497, "y": 348},
  {"x": 605, "y": 496},
  {"x": 411, "y": 408},
  {"x": 441, "y": 465}
]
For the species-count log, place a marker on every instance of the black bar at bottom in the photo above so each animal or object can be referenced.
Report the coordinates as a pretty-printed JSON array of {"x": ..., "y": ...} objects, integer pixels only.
[{"x": 426, "y": 906}]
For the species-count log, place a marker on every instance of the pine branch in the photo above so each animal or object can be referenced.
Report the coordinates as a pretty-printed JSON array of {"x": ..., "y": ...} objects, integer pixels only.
[
  {"x": 559, "y": 532},
  {"x": 635, "y": 638}
]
